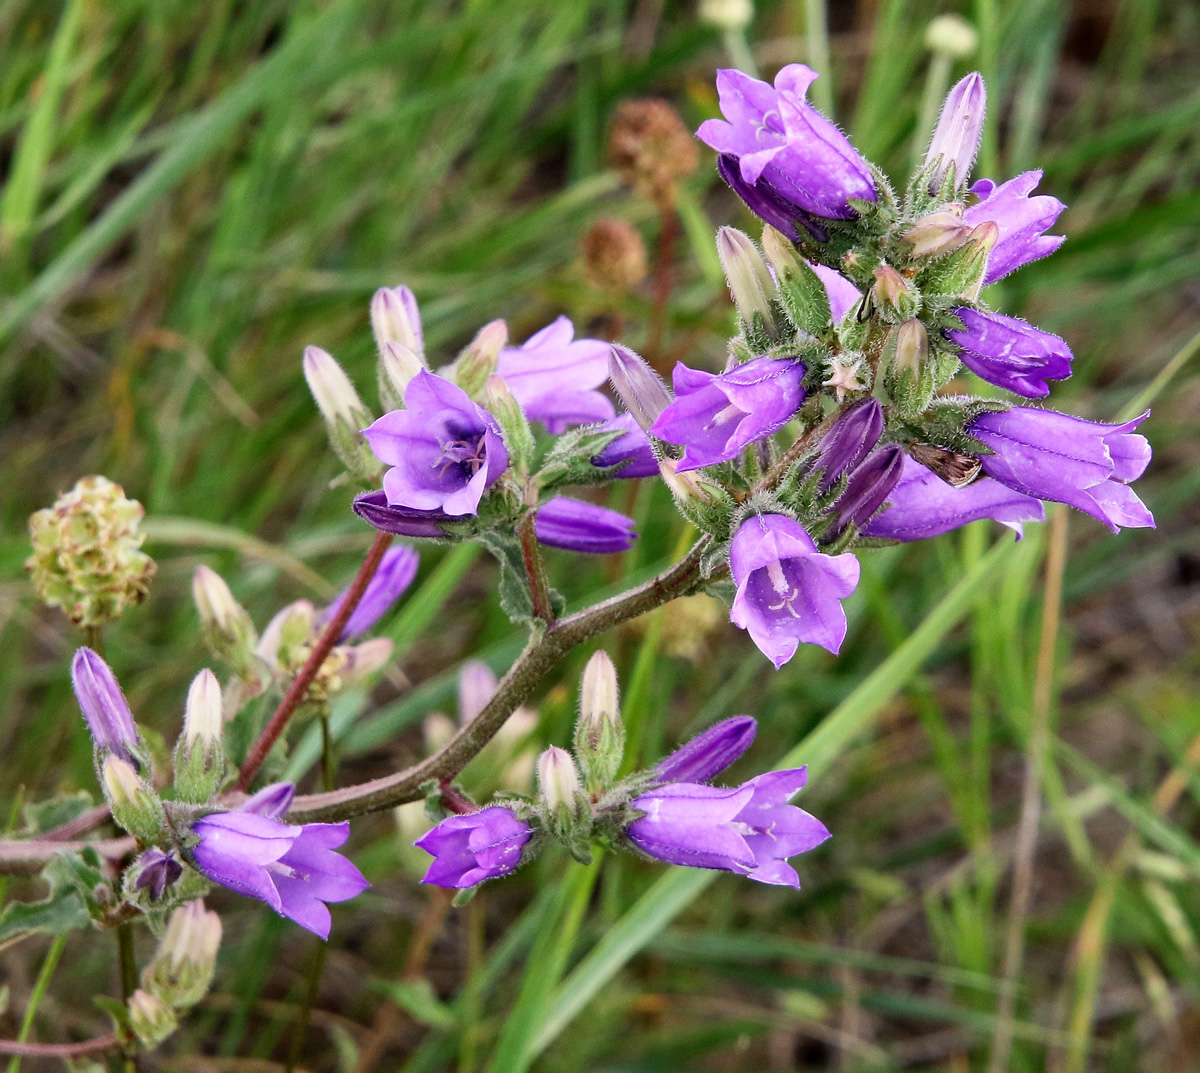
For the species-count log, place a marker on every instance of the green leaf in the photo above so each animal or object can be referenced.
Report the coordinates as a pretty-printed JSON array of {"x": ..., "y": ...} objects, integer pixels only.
[
  {"x": 416, "y": 998},
  {"x": 43, "y": 815}
]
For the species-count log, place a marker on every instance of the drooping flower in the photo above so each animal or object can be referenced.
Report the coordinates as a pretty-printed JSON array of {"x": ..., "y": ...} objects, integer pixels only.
[
  {"x": 749, "y": 830},
  {"x": 956, "y": 136},
  {"x": 791, "y": 159},
  {"x": 469, "y": 849},
  {"x": 710, "y": 752},
  {"x": 1054, "y": 456},
  {"x": 292, "y": 868},
  {"x": 396, "y": 571},
  {"x": 555, "y": 376},
  {"x": 787, "y": 591},
  {"x": 104, "y": 706},
  {"x": 1022, "y": 222},
  {"x": 445, "y": 451},
  {"x": 715, "y": 416},
  {"x": 631, "y": 450},
  {"x": 923, "y": 505},
  {"x": 573, "y": 524},
  {"x": 1010, "y": 353},
  {"x": 375, "y": 510}
]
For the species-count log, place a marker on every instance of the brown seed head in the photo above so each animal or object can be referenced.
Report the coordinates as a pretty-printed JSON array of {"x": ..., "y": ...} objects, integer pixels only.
[
  {"x": 650, "y": 147},
  {"x": 614, "y": 256}
]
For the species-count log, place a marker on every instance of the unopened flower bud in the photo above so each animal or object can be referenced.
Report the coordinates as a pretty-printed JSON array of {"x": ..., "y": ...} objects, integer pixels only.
[
  {"x": 135, "y": 806},
  {"x": 155, "y": 871},
  {"x": 199, "y": 754},
  {"x": 728, "y": 16},
  {"x": 285, "y": 643},
  {"x": 86, "y": 558},
  {"x": 710, "y": 752},
  {"x": 396, "y": 319},
  {"x": 849, "y": 440},
  {"x": 956, "y": 136},
  {"x": 558, "y": 779},
  {"x": 650, "y": 148},
  {"x": 479, "y": 358},
  {"x": 961, "y": 272},
  {"x": 909, "y": 376},
  {"x": 182, "y": 967},
  {"x": 104, "y": 707},
  {"x": 599, "y": 732},
  {"x": 952, "y": 36},
  {"x": 637, "y": 385},
  {"x": 938, "y": 232},
  {"x": 224, "y": 623},
  {"x": 867, "y": 490},
  {"x": 700, "y": 500},
  {"x": 344, "y": 413},
  {"x": 151, "y": 1019},
  {"x": 614, "y": 255},
  {"x": 912, "y": 346},
  {"x": 749, "y": 279},
  {"x": 366, "y": 659},
  {"x": 398, "y": 364},
  {"x": 500, "y": 402},
  {"x": 894, "y": 294}
]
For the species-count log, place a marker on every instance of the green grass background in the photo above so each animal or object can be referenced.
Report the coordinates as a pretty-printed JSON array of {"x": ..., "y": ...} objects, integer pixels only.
[{"x": 194, "y": 192}]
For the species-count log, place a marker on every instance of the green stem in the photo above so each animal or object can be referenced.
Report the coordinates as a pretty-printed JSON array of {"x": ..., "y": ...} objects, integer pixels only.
[
  {"x": 304, "y": 1018},
  {"x": 937, "y": 81},
  {"x": 39, "y": 992}
]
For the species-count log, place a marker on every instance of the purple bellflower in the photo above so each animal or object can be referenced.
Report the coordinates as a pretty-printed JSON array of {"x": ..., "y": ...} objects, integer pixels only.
[
  {"x": 710, "y": 752},
  {"x": 956, "y": 136},
  {"x": 849, "y": 440},
  {"x": 573, "y": 524},
  {"x": 1067, "y": 459},
  {"x": 843, "y": 295},
  {"x": 868, "y": 489},
  {"x": 787, "y": 591},
  {"x": 555, "y": 376},
  {"x": 445, "y": 451},
  {"x": 631, "y": 450},
  {"x": 714, "y": 417},
  {"x": 292, "y": 868},
  {"x": 469, "y": 849},
  {"x": 923, "y": 505},
  {"x": 1021, "y": 219},
  {"x": 749, "y": 829},
  {"x": 780, "y": 155},
  {"x": 375, "y": 510},
  {"x": 104, "y": 706},
  {"x": 1010, "y": 353},
  {"x": 396, "y": 571}
]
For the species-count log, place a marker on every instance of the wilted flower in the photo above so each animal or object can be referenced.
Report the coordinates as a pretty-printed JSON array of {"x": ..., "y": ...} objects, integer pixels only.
[
  {"x": 573, "y": 524},
  {"x": 156, "y": 871},
  {"x": 375, "y": 510},
  {"x": 867, "y": 489},
  {"x": 445, "y": 451},
  {"x": 1022, "y": 221},
  {"x": 1067, "y": 459},
  {"x": 1010, "y": 353},
  {"x": 714, "y": 417},
  {"x": 787, "y": 591},
  {"x": 750, "y": 829},
  {"x": 470, "y": 849}
]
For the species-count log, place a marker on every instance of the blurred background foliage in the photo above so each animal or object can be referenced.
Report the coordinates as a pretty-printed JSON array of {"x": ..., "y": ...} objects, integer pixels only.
[{"x": 194, "y": 192}]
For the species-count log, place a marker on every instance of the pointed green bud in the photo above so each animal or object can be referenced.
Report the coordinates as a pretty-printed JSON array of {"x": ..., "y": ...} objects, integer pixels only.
[
  {"x": 181, "y": 970},
  {"x": 499, "y": 401},
  {"x": 396, "y": 319},
  {"x": 599, "y": 732},
  {"x": 701, "y": 501},
  {"x": 895, "y": 296},
  {"x": 909, "y": 378},
  {"x": 151, "y": 1019},
  {"x": 960, "y": 272},
  {"x": 226, "y": 626},
  {"x": 560, "y": 793},
  {"x": 398, "y": 364},
  {"x": 344, "y": 413},
  {"x": 938, "y": 233},
  {"x": 478, "y": 360},
  {"x": 199, "y": 753},
  {"x": 749, "y": 281},
  {"x": 135, "y": 806},
  {"x": 800, "y": 288}
]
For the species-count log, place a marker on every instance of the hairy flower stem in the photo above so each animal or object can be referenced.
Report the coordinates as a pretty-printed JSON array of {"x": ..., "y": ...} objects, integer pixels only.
[
  {"x": 664, "y": 262},
  {"x": 543, "y": 652},
  {"x": 299, "y": 687},
  {"x": 59, "y": 1050},
  {"x": 535, "y": 568}
]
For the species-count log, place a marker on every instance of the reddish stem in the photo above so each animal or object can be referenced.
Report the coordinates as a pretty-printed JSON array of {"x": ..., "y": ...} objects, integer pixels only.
[
  {"x": 299, "y": 687},
  {"x": 664, "y": 262},
  {"x": 59, "y": 1050}
]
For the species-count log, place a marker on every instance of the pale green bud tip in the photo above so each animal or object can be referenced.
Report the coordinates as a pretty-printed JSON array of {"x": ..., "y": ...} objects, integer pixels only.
[
  {"x": 121, "y": 782},
  {"x": 331, "y": 389},
  {"x": 193, "y": 934},
  {"x": 780, "y": 251},
  {"x": 747, "y": 274},
  {"x": 939, "y": 232},
  {"x": 399, "y": 364},
  {"x": 558, "y": 778},
  {"x": 891, "y": 288},
  {"x": 202, "y": 717},
  {"x": 912, "y": 346},
  {"x": 86, "y": 558},
  {"x": 394, "y": 319},
  {"x": 952, "y": 36},
  {"x": 682, "y": 485},
  {"x": 598, "y": 695},
  {"x": 151, "y": 1019},
  {"x": 480, "y": 357},
  {"x": 729, "y": 16}
]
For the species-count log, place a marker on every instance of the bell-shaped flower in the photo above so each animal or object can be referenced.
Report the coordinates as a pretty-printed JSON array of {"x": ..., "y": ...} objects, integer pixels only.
[
  {"x": 555, "y": 377},
  {"x": 1021, "y": 220},
  {"x": 750, "y": 829},
  {"x": 1054, "y": 456},
  {"x": 573, "y": 524},
  {"x": 787, "y": 591},
  {"x": 715, "y": 416},
  {"x": 1010, "y": 353},
  {"x": 469, "y": 849},
  {"x": 923, "y": 505},
  {"x": 776, "y": 142},
  {"x": 291, "y": 867},
  {"x": 445, "y": 450}
]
